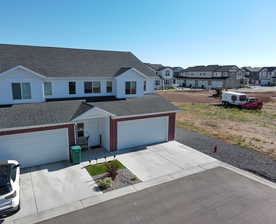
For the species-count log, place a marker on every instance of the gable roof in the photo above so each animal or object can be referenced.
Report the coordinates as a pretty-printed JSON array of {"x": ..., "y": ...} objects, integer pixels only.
[
  {"x": 55, "y": 112},
  {"x": 150, "y": 103},
  {"x": 209, "y": 68},
  {"x": 252, "y": 69},
  {"x": 269, "y": 69},
  {"x": 155, "y": 67},
  {"x": 21, "y": 115},
  {"x": 68, "y": 62}
]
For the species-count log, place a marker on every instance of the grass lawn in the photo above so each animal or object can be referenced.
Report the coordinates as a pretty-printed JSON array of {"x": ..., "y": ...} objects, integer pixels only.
[
  {"x": 100, "y": 168},
  {"x": 247, "y": 128}
]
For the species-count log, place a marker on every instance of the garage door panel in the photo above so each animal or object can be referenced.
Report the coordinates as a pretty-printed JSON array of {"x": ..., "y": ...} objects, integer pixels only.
[
  {"x": 35, "y": 148},
  {"x": 139, "y": 132}
]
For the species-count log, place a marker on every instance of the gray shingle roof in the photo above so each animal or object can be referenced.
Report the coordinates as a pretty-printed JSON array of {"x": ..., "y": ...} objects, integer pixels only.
[
  {"x": 21, "y": 115},
  {"x": 55, "y": 112},
  {"x": 209, "y": 68},
  {"x": 68, "y": 62},
  {"x": 155, "y": 67},
  {"x": 150, "y": 103},
  {"x": 269, "y": 69}
]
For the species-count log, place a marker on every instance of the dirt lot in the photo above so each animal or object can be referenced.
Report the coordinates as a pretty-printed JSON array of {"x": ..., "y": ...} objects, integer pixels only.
[{"x": 250, "y": 129}]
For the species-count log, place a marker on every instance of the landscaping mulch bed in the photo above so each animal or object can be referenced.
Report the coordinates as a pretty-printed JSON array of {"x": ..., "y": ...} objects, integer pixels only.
[{"x": 123, "y": 179}]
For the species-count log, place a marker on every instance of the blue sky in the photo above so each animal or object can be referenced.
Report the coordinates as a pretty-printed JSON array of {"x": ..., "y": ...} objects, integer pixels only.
[{"x": 171, "y": 32}]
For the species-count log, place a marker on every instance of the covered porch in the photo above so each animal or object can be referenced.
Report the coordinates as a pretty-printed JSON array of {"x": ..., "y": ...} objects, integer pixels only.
[{"x": 92, "y": 131}]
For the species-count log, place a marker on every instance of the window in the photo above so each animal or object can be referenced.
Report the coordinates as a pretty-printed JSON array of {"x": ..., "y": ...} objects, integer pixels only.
[
  {"x": 72, "y": 87},
  {"x": 80, "y": 130},
  {"x": 87, "y": 87},
  {"x": 130, "y": 87},
  {"x": 145, "y": 85},
  {"x": 109, "y": 86},
  {"x": 48, "y": 88},
  {"x": 157, "y": 82},
  {"x": 21, "y": 91},
  {"x": 167, "y": 73},
  {"x": 96, "y": 87},
  {"x": 167, "y": 82}
]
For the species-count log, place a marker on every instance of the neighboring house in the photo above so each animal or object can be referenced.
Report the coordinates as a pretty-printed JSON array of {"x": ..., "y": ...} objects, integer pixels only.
[
  {"x": 252, "y": 73},
  {"x": 267, "y": 76},
  {"x": 53, "y": 98},
  {"x": 164, "y": 76},
  {"x": 211, "y": 77}
]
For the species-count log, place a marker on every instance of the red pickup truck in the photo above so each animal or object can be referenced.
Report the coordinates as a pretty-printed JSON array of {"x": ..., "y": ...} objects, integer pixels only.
[{"x": 253, "y": 104}]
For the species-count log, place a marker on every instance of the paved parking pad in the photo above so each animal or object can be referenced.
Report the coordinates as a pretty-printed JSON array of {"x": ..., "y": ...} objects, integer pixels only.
[
  {"x": 53, "y": 185},
  {"x": 163, "y": 159}
]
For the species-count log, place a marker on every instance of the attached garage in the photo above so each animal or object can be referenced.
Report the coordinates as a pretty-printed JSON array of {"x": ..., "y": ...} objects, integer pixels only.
[
  {"x": 36, "y": 147},
  {"x": 132, "y": 133}
]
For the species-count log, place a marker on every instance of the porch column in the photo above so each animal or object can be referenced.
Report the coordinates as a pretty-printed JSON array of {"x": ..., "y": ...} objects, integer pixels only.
[
  {"x": 171, "y": 134},
  {"x": 113, "y": 135}
]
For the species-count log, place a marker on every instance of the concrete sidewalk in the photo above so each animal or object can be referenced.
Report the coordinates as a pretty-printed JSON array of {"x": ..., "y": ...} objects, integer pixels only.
[
  {"x": 153, "y": 165},
  {"x": 91, "y": 201}
]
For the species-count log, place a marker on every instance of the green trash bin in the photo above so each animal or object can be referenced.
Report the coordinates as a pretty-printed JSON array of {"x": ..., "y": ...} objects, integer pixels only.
[{"x": 76, "y": 154}]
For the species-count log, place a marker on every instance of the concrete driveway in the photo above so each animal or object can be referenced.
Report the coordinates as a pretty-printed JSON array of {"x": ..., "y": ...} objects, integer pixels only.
[
  {"x": 51, "y": 186},
  {"x": 163, "y": 159},
  {"x": 55, "y": 185}
]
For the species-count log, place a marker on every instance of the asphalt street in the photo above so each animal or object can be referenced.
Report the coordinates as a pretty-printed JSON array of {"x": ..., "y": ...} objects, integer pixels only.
[{"x": 214, "y": 196}]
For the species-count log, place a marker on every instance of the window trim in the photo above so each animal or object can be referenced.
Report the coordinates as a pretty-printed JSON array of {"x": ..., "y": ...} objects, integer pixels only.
[
  {"x": 51, "y": 89},
  {"x": 75, "y": 86},
  {"x": 93, "y": 82},
  {"x": 132, "y": 84},
  {"x": 84, "y": 89},
  {"x": 145, "y": 85},
  {"x": 22, "y": 95},
  {"x": 109, "y": 91}
]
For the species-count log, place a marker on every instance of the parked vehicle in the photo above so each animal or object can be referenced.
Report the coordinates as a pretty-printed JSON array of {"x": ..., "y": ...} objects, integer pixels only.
[
  {"x": 9, "y": 186},
  {"x": 240, "y": 100},
  {"x": 253, "y": 104}
]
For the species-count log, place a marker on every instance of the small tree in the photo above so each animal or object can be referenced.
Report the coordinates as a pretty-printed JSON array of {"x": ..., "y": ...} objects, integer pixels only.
[{"x": 112, "y": 170}]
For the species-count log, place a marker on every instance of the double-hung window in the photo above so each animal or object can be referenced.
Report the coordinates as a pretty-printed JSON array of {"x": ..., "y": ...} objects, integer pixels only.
[
  {"x": 109, "y": 86},
  {"x": 145, "y": 86},
  {"x": 72, "y": 88},
  {"x": 87, "y": 87},
  {"x": 48, "y": 89},
  {"x": 21, "y": 91},
  {"x": 130, "y": 87},
  {"x": 92, "y": 87},
  {"x": 96, "y": 86}
]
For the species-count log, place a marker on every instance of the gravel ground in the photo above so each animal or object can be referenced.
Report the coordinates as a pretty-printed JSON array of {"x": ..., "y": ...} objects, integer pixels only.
[
  {"x": 246, "y": 159},
  {"x": 123, "y": 179}
]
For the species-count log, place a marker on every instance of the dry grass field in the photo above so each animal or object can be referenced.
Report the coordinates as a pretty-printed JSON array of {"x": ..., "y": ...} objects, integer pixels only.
[{"x": 251, "y": 129}]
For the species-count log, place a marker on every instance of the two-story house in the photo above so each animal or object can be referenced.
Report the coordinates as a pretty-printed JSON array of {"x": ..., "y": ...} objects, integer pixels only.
[
  {"x": 211, "y": 77},
  {"x": 165, "y": 77},
  {"x": 52, "y": 98},
  {"x": 267, "y": 76},
  {"x": 252, "y": 73}
]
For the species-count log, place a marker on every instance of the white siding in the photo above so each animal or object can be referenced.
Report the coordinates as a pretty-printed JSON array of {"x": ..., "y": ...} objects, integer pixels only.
[
  {"x": 97, "y": 128},
  {"x": 20, "y": 75},
  {"x": 139, "y": 132},
  {"x": 35, "y": 148},
  {"x": 163, "y": 73},
  {"x": 129, "y": 75},
  {"x": 60, "y": 88}
]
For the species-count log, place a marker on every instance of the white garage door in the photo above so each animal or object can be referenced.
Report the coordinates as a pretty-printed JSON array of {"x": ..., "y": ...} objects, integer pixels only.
[
  {"x": 35, "y": 148},
  {"x": 139, "y": 132}
]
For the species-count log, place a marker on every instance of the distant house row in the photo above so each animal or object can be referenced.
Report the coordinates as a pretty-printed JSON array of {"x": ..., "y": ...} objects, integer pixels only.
[{"x": 212, "y": 76}]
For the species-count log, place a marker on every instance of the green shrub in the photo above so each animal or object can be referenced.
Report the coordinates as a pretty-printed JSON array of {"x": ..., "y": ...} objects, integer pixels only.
[{"x": 105, "y": 183}]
